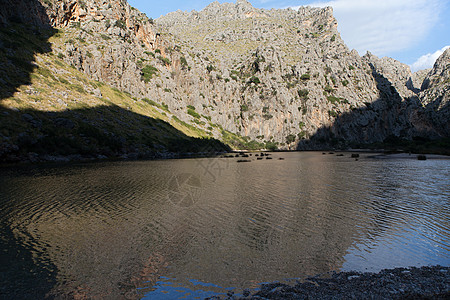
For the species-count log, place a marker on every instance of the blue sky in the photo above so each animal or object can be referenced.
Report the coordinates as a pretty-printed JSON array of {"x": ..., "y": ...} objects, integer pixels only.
[{"x": 414, "y": 32}]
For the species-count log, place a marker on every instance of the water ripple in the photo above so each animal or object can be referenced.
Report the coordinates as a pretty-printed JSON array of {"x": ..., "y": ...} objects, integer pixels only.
[{"x": 109, "y": 228}]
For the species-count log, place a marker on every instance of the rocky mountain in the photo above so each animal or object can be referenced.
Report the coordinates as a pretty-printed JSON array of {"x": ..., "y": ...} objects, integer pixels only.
[
  {"x": 435, "y": 94},
  {"x": 252, "y": 78}
]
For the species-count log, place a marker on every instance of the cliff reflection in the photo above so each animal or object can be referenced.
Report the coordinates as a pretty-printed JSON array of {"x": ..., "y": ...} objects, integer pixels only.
[{"x": 115, "y": 229}]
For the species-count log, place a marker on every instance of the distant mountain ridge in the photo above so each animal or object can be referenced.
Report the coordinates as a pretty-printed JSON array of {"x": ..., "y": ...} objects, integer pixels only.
[{"x": 253, "y": 78}]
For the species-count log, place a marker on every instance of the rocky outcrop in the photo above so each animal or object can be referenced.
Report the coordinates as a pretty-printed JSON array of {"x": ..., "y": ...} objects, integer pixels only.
[
  {"x": 435, "y": 94},
  {"x": 396, "y": 73}
]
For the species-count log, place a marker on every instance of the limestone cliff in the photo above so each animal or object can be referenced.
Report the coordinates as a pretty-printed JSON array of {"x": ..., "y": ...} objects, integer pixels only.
[
  {"x": 435, "y": 94},
  {"x": 251, "y": 77}
]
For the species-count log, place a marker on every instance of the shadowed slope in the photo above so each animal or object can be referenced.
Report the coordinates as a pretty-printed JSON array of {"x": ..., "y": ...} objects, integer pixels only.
[
  {"x": 389, "y": 122},
  {"x": 49, "y": 110}
]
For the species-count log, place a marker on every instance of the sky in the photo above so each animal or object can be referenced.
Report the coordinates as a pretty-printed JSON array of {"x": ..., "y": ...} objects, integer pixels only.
[{"x": 414, "y": 32}]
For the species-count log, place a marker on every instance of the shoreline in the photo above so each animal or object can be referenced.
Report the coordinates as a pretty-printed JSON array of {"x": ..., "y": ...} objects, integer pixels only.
[
  {"x": 429, "y": 282},
  {"x": 76, "y": 158}
]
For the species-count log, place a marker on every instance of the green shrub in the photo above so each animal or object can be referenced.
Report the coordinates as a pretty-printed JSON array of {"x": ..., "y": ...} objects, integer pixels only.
[
  {"x": 302, "y": 134},
  {"x": 332, "y": 113},
  {"x": 244, "y": 107},
  {"x": 193, "y": 113},
  {"x": 184, "y": 63},
  {"x": 305, "y": 77},
  {"x": 345, "y": 82},
  {"x": 333, "y": 99},
  {"x": 147, "y": 73},
  {"x": 207, "y": 117},
  {"x": 303, "y": 93},
  {"x": 197, "y": 121},
  {"x": 272, "y": 146},
  {"x": 165, "y": 60},
  {"x": 290, "y": 139},
  {"x": 162, "y": 106},
  {"x": 254, "y": 80},
  {"x": 121, "y": 24},
  {"x": 328, "y": 89}
]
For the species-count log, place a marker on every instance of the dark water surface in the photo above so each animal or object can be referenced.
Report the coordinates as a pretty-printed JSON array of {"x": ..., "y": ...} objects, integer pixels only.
[{"x": 166, "y": 229}]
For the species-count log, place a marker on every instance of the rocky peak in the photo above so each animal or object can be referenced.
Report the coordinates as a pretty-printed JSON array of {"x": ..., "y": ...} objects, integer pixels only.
[
  {"x": 440, "y": 74},
  {"x": 244, "y": 5},
  {"x": 397, "y": 73},
  {"x": 435, "y": 95}
]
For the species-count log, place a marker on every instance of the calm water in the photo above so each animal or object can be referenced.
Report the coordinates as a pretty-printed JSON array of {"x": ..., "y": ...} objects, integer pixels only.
[{"x": 167, "y": 229}]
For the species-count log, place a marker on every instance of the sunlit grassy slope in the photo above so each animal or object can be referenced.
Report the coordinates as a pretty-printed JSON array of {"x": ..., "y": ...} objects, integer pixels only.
[{"x": 48, "y": 107}]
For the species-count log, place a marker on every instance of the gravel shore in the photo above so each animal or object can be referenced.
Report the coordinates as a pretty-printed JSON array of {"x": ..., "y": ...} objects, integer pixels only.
[{"x": 400, "y": 283}]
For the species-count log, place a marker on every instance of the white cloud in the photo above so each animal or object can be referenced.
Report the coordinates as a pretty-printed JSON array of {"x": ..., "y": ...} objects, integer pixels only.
[
  {"x": 384, "y": 26},
  {"x": 427, "y": 61}
]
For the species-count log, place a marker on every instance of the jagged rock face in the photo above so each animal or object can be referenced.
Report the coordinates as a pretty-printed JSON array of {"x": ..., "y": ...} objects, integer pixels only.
[
  {"x": 271, "y": 75},
  {"x": 417, "y": 78},
  {"x": 435, "y": 94},
  {"x": 64, "y": 13},
  {"x": 307, "y": 79},
  {"x": 395, "y": 72}
]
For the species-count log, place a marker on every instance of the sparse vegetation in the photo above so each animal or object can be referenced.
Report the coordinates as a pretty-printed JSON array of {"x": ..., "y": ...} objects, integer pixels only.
[
  {"x": 254, "y": 80},
  {"x": 305, "y": 77},
  {"x": 290, "y": 138},
  {"x": 303, "y": 93},
  {"x": 272, "y": 146},
  {"x": 333, "y": 99},
  {"x": 332, "y": 113},
  {"x": 164, "y": 60},
  {"x": 121, "y": 24},
  {"x": 301, "y": 125},
  {"x": 184, "y": 63},
  {"x": 193, "y": 113},
  {"x": 148, "y": 72},
  {"x": 328, "y": 89}
]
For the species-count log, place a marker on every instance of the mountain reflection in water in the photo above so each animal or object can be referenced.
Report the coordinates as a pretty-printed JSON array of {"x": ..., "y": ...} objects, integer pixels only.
[{"x": 127, "y": 229}]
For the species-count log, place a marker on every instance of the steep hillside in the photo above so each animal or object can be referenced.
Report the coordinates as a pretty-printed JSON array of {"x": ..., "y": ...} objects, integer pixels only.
[
  {"x": 435, "y": 94},
  {"x": 50, "y": 111},
  {"x": 286, "y": 77},
  {"x": 252, "y": 78}
]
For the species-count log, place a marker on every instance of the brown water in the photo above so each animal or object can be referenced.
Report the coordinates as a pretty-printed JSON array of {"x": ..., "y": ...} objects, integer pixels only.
[{"x": 167, "y": 229}]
